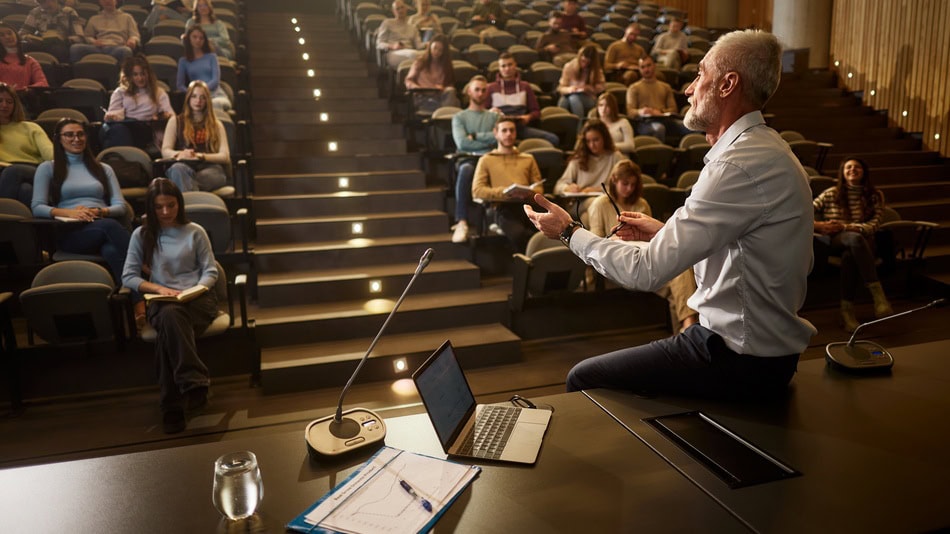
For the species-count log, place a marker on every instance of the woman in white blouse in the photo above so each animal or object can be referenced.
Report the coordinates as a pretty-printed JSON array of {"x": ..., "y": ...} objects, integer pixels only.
[
  {"x": 619, "y": 127},
  {"x": 136, "y": 102}
]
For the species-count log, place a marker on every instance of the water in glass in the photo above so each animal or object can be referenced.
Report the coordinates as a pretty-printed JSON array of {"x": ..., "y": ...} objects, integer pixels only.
[{"x": 238, "y": 487}]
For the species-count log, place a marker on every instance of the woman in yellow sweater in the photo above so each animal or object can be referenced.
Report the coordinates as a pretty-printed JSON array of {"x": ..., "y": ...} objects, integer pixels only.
[{"x": 23, "y": 146}]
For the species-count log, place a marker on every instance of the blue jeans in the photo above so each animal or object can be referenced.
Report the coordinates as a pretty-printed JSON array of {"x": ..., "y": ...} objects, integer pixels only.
[
  {"x": 81, "y": 50},
  {"x": 464, "y": 175},
  {"x": 16, "y": 182},
  {"x": 577, "y": 103},
  {"x": 106, "y": 237},
  {"x": 857, "y": 260},
  {"x": 528, "y": 132},
  {"x": 695, "y": 362},
  {"x": 128, "y": 132},
  {"x": 207, "y": 177}
]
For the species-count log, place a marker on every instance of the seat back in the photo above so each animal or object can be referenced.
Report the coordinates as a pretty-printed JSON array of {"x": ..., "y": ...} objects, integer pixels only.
[
  {"x": 659, "y": 199},
  {"x": 819, "y": 184},
  {"x": 71, "y": 302},
  {"x": 548, "y": 269},
  {"x": 18, "y": 243},
  {"x": 210, "y": 212},
  {"x": 687, "y": 179},
  {"x": 655, "y": 160}
]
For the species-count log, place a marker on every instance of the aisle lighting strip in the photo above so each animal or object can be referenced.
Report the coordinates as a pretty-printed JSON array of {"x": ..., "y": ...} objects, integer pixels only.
[{"x": 332, "y": 146}]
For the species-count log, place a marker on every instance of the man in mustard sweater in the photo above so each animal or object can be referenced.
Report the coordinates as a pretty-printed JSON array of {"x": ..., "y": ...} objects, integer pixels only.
[
  {"x": 501, "y": 168},
  {"x": 651, "y": 105}
]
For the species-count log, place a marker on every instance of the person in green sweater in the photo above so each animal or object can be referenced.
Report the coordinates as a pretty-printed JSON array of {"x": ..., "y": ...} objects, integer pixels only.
[
  {"x": 168, "y": 255},
  {"x": 76, "y": 187},
  {"x": 23, "y": 146}
]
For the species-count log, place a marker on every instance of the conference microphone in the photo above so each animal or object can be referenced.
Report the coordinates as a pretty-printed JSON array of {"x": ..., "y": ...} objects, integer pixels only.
[
  {"x": 358, "y": 427},
  {"x": 867, "y": 356}
]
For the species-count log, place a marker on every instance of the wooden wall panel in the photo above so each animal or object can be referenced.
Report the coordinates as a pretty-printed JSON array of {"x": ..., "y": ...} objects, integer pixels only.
[
  {"x": 898, "y": 53},
  {"x": 756, "y": 14}
]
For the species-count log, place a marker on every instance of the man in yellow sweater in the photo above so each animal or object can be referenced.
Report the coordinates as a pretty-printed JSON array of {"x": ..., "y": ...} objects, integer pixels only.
[
  {"x": 504, "y": 167},
  {"x": 650, "y": 104}
]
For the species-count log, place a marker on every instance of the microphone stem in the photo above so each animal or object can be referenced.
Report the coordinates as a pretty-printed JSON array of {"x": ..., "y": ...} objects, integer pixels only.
[
  {"x": 339, "y": 409},
  {"x": 889, "y": 317}
]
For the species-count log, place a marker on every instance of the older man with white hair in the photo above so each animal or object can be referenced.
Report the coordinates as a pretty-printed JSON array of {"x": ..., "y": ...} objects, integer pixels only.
[{"x": 745, "y": 229}]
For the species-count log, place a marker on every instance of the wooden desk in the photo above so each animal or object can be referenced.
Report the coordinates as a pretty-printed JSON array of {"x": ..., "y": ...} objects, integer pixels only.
[
  {"x": 872, "y": 449},
  {"x": 592, "y": 475}
]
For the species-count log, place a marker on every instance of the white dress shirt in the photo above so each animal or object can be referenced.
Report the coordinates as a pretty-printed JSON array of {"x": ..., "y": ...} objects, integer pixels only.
[{"x": 746, "y": 229}]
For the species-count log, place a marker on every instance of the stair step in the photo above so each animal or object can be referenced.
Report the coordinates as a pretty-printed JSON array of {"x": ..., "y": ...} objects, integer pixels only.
[
  {"x": 310, "y": 105},
  {"x": 336, "y": 164},
  {"x": 333, "y": 116},
  {"x": 317, "y": 183},
  {"x": 371, "y": 226},
  {"x": 325, "y": 132},
  {"x": 385, "y": 281},
  {"x": 911, "y": 191},
  {"x": 355, "y": 253},
  {"x": 888, "y": 159},
  {"x": 347, "y": 202},
  {"x": 273, "y": 92},
  {"x": 813, "y": 127},
  {"x": 335, "y": 147},
  {"x": 919, "y": 173},
  {"x": 303, "y": 82},
  {"x": 322, "y": 365},
  {"x": 922, "y": 210}
]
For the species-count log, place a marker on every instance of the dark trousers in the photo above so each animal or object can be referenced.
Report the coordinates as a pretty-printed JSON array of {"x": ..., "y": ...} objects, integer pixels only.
[
  {"x": 515, "y": 224},
  {"x": 177, "y": 325},
  {"x": 106, "y": 237},
  {"x": 16, "y": 182},
  {"x": 696, "y": 362},
  {"x": 857, "y": 260}
]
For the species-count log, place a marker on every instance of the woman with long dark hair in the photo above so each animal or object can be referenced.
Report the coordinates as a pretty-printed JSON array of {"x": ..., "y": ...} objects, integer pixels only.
[
  {"x": 433, "y": 70},
  {"x": 201, "y": 63},
  {"x": 168, "y": 255},
  {"x": 137, "y": 100},
  {"x": 846, "y": 217},
  {"x": 197, "y": 139},
  {"x": 23, "y": 146},
  {"x": 213, "y": 27},
  {"x": 581, "y": 81},
  {"x": 620, "y": 130},
  {"x": 76, "y": 187},
  {"x": 16, "y": 68},
  {"x": 594, "y": 156}
]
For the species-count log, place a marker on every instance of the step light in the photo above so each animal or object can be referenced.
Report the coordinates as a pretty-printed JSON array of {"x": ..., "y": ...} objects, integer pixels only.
[
  {"x": 302, "y": 41},
  {"x": 403, "y": 387},
  {"x": 837, "y": 63},
  {"x": 297, "y": 29},
  {"x": 400, "y": 365},
  {"x": 850, "y": 75},
  {"x": 873, "y": 92},
  {"x": 293, "y": 20},
  {"x": 375, "y": 286},
  {"x": 306, "y": 56},
  {"x": 317, "y": 94},
  {"x": 357, "y": 228},
  {"x": 904, "y": 113},
  {"x": 343, "y": 182},
  {"x": 937, "y": 136},
  {"x": 324, "y": 117},
  {"x": 332, "y": 146},
  {"x": 311, "y": 73}
]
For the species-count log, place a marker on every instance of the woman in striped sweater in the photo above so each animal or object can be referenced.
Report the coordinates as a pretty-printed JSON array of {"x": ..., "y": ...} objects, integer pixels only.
[{"x": 846, "y": 217}]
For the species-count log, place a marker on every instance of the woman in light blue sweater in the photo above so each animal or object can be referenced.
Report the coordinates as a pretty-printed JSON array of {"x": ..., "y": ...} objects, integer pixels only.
[
  {"x": 168, "y": 255},
  {"x": 200, "y": 63},
  {"x": 75, "y": 186}
]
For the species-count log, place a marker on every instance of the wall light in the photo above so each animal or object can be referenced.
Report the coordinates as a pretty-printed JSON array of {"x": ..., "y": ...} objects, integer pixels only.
[
  {"x": 293, "y": 20},
  {"x": 904, "y": 113},
  {"x": 306, "y": 56},
  {"x": 343, "y": 182},
  {"x": 837, "y": 63},
  {"x": 850, "y": 75},
  {"x": 311, "y": 73},
  {"x": 302, "y": 41},
  {"x": 357, "y": 228},
  {"x": 400, "y": 365},
  {"x": 317, "y": 93},
  {"x": 324, "y": 117},
  {"x": 873, "y": 92},
  {"x": 375, "y": 286},
  {"x": 937, "y": 136},
  {"x": 297, "y": 29},
  {"x": 332, "y": 146}
]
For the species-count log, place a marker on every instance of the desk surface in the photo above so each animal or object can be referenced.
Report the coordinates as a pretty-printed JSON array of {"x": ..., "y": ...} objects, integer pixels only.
[
  {"x": 592, "y": 474},
  {"x": 872, "y": 450}
]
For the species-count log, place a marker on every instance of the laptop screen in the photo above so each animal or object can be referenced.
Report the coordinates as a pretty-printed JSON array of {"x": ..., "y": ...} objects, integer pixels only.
[{"x": 445, "y": 392}]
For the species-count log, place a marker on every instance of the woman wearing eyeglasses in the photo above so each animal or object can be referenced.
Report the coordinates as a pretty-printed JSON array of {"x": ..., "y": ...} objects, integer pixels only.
[
  {"x": 23, "y": 146},
  {"x": 76, "y": 187}
]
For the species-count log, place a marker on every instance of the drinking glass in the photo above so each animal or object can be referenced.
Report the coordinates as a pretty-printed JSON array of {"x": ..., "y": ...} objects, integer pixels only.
[{"x": 238, "y": 488}]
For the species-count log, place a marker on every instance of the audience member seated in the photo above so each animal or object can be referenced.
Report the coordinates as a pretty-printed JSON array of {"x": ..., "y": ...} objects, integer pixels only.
[
  {"x": 23, "y": 146},
  {"x": 18, "y": 70},
  {"x": 168, "y": 10},
  {"x": 620, "y": 130},
  {"x": 199, "y": 143},
  {"x": 426, "y": 22},
  {"x": 501, "y": 168},
  {"x": 508, "y": 95},
  {"x": 397, "y": 37},
  {"x": 472, "y": 130},
  {"x": 109, "y": 32},
  {"x": 487, "y": 14},
  {"x": 572, "y": 22},
  {"x": 625, "y": 188},
  {"x": 669, "y": 48},
  {"x": 556, "y": 45},
  {"x": 201, "y": 64},
  {"x": 622, "y": 62},
  {"x": 649, "y": 101},
  {"x": 134, "y": 104},
  {"x": 594, "y": 157},
  {"x": 846, "y": 218},
  {"x": 76, "y": 186},
  {"x": 433, "y": 70},
  {"x": 581, "y": 81},
  {"x": 52, "y": 28},
  {"x": 168, "y": 255},
  {"x": 215, "y": 29}
]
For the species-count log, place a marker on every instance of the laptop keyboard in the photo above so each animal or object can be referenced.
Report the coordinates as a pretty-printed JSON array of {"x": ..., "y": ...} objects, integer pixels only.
[{"x": 491, "y": 431}]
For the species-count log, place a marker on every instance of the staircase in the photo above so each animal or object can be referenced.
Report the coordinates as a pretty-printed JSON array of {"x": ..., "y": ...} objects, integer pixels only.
[{"x": 341, "y": 226}]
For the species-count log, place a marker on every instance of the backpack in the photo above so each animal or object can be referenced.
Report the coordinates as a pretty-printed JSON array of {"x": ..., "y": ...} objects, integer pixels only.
[{"x": 129, "y": 173}]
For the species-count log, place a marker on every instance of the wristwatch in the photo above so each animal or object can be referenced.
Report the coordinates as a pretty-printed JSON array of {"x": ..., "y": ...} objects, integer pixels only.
[{"x": 569, "y": 231}]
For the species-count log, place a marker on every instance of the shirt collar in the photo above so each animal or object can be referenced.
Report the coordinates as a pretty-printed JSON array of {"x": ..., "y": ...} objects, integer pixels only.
[{"x": 753, "y": 118}]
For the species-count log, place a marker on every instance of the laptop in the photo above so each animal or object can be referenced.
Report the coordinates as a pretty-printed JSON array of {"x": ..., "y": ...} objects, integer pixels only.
[{"x": 469, "y": 430}]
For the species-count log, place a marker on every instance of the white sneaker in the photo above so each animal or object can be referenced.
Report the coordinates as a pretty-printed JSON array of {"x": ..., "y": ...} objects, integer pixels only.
[
  {"x": 495, "y": 229},
  {"x": 460, "y": 235}
]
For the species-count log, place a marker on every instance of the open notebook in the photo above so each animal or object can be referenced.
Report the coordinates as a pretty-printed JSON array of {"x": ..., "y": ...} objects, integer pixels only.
[{"x": 467, "y": 429}]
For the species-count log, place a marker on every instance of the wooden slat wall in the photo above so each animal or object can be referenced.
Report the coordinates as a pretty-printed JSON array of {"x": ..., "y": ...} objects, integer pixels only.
[
  {"x": 900, "y": 51},
  {"x": 695, "y": 9},
  {"x": 756, "y": 14}
]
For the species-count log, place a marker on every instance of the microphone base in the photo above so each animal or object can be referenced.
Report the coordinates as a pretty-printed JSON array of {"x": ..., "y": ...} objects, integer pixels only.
[
  {"x": 861, "y": 357},
  {"x": 359, "y": 428}
]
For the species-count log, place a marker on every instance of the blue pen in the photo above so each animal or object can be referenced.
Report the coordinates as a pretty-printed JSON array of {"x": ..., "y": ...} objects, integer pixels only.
[{"x": 425, "y": 504}]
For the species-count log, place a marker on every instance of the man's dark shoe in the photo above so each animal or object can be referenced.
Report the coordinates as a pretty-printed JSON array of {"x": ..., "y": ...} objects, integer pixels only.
[
  {"x": 196, "y": 398},
  {"x": 173, "y": 420}
]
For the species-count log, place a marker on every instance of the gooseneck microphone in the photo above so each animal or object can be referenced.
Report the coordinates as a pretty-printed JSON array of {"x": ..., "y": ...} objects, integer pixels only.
[
  {"x": 358, "y": 427},
  {"x": 867, "y": 356}
]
